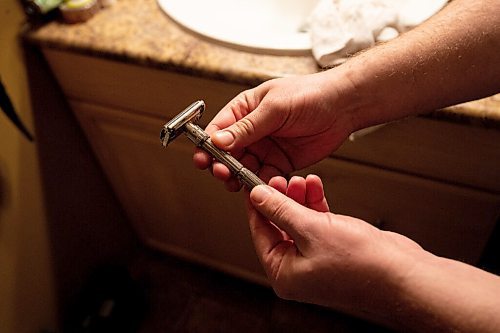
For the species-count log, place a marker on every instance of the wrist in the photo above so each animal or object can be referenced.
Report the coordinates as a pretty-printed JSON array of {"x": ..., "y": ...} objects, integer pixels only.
[
  {"x": 411, "y": 312},
  {"x": 400, "y": 265},
  {"x": 441, "y": 294},
  {"x": 357, "y": 97}
]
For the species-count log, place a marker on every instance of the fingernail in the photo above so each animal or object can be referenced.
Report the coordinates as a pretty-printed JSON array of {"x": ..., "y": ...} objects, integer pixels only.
[
  {"x": 260, "y": 193},
  {"x": 224, "y": 138}
]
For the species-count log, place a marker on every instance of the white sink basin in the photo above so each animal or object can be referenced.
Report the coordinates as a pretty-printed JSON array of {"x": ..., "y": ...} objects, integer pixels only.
[{"x": 265, "y": 26}]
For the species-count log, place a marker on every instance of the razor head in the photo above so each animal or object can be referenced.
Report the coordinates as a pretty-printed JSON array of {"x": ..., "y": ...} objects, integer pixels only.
[{"x": 174, "y": 127}]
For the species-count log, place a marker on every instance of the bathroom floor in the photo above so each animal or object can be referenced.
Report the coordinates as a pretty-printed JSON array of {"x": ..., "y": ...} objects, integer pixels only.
[{"x": 183, "y": 297}]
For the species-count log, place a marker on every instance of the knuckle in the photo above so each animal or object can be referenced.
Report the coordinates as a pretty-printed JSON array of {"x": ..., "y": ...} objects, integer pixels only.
[
  {"x": 239, "y": 102},
  {"x": 243, "y": 103},
  {"x": 244, "y": 127}
]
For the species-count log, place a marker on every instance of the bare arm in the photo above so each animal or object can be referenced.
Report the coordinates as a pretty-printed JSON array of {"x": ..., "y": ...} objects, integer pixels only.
[
  {"x": 446, "y": 295},
  {"x": 451, "y": 58}
]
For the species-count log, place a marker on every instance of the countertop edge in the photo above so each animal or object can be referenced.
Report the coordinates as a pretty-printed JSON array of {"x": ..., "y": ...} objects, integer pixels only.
[{"x": 149, "y": 62}]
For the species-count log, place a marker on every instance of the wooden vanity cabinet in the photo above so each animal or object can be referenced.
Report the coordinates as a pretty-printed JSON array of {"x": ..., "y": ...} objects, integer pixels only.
[{"x": 184, "y": 211}]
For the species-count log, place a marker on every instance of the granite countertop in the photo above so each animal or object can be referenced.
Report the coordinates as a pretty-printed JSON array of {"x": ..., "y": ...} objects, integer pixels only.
[{"x": 137, "y": 31}]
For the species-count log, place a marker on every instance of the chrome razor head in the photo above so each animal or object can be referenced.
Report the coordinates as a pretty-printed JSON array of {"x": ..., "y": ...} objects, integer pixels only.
[{"x": 174, "y": 127}]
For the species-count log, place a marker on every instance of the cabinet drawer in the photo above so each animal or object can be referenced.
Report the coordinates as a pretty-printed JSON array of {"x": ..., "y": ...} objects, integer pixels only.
[
  {"x": 131, "y": 87},
  {"x": 447, "y": 220},
  {"x": 455, "y": 153}
]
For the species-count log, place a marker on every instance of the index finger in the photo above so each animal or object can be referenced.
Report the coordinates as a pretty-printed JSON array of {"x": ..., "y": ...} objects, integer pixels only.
[{"x": 244, "y": 103}]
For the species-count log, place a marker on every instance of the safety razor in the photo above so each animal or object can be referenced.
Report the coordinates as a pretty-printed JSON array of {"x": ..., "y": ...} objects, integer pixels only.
[{"x": 185, "y": 122}]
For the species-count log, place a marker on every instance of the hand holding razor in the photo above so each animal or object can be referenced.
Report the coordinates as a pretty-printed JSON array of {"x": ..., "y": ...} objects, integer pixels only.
[{"x": 185, "y": 122}]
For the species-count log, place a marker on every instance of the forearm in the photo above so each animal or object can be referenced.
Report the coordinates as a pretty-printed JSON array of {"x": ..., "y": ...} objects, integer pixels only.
[
  {"x": 441, "y": 295},
  {"x": 451, "y": 58}
]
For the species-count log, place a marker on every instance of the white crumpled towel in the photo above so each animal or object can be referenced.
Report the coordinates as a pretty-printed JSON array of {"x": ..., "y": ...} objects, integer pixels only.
[{"x": 340, "y": 28}]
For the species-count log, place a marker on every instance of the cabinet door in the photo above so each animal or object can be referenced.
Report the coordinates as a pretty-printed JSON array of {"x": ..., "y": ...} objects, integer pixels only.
[
  {"x": 447, "y": 220},
  {"x": 173, "y": 206}
]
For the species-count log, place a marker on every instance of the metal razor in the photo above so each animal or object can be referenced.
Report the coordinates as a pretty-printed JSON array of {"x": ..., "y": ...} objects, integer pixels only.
[{"x": 185, "y": 122}]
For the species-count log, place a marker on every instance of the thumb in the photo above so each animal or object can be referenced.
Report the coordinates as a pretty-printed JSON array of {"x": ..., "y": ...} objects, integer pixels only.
[
  {"x": 249, "y": 129},
  {"x": 284, "y": 212}
]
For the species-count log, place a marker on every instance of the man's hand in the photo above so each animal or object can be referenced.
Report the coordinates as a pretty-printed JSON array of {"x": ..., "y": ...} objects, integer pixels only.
[
  {"x": 314, "y": 256},
  {"x": 344, "y": 263},
  {"x": 280, "y": 126}
]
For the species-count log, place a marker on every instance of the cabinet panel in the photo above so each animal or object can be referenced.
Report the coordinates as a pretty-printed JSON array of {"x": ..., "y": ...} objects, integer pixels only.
[
  {"x": 173, "y": 206},
  {"x": 447, "y": 220}
]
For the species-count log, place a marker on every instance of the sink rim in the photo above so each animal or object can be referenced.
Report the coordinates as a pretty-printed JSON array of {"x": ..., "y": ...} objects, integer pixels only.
[{"x": 296, "y": 44}]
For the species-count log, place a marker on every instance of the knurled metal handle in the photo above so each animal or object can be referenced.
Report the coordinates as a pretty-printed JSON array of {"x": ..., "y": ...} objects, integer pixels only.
[{"x": 202, "y": 140}]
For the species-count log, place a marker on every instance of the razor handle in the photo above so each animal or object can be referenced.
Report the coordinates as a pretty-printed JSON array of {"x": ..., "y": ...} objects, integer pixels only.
[{"x": 202, "y": 140}]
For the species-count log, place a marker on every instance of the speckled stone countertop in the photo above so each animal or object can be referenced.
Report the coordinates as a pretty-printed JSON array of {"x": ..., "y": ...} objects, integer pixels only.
[{"x": 137, "y": 31}]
